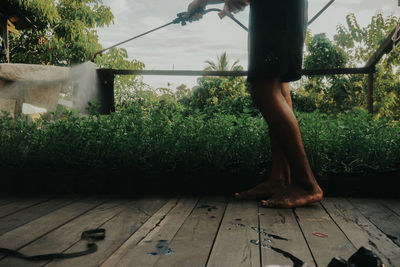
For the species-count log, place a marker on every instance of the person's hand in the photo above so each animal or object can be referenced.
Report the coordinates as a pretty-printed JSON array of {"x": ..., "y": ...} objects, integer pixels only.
[
  {"x": 195, "y": 9},
  {"x": 234, "y": 6}
]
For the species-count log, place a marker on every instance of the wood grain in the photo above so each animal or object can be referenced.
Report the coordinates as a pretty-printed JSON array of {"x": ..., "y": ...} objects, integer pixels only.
[
  {"x": 33, "y": 230},
  {"x": 233, "y": 245},
  {"x": 392, "y": 204},
  {"x": 26, "y": 215},
  {"x": 383, "y": 218},
  {"x": 361, "y": 231},
  {"x": 68, "y": 234},
  {"x": 193, "y": 242},
  {"x": 283, "y": 224},
  {"x": 21, "y": 204},
  {"x": 165, "y": 228},
  {"x": 313, "y": 218},
  {"x": 118, "y": 230}
]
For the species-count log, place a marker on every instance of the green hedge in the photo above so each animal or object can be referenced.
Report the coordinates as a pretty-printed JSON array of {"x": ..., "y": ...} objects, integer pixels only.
[{"x": 152, "y": 142}]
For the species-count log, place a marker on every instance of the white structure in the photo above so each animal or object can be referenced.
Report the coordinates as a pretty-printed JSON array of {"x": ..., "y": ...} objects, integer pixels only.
[{"x": 35, "y": 85}]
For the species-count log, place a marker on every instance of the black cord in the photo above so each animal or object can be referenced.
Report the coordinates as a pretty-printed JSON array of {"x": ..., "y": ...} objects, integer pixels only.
[{"x": 90, "y": 235}]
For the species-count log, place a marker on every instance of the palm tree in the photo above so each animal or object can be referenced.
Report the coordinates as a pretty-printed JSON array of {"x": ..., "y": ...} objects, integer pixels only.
[{"x": 222, "y": 64}]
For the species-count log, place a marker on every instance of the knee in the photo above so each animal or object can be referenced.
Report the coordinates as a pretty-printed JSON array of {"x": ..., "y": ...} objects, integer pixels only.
[
  {"x": 263, "y": 92},
  {"x": 285, "y": 90}
]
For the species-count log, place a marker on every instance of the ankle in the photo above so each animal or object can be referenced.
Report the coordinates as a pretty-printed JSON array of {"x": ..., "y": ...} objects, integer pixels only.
[{"x": 309, "y": 185}]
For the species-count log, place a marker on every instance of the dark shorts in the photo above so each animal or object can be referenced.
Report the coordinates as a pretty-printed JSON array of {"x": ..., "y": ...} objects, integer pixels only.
[{"x": 277, "y": 31}]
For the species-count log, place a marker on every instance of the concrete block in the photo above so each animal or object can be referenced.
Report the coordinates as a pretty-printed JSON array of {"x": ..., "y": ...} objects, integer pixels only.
[{"x": 8, "y": 105}]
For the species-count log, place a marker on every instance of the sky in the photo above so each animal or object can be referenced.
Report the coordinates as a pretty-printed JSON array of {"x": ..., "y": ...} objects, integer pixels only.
[{"x": 186, "y": 48}]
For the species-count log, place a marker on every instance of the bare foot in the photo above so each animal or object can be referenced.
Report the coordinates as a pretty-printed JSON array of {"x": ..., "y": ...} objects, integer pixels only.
[
  {"x": 262, "y": 191},
  {"x": 274, "y": 184},
  {"x": 294, "y": 196}
]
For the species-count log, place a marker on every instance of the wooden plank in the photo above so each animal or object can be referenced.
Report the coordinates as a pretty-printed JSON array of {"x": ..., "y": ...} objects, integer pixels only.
[
  {"x": 314, "y": 219},
  {"x": 192, "y": 244},
  {"x": 21, "y": 204},
  {"x": 279, "y": 229},
  {"x": 67, "y": 235},
  {"x": 26, "y": 215},
  {"x": 392, "y": 204},
  {"x": 31, "y": 231},
  {"x": 140, "y": 234},
  {"x": 165, "y": 228},
  {"x": 6, "y": 200},
  {"x": 361, "y": 231},
  {"x": 118, "y": 230},
  {"x": 235, "y": 242},
  {"x": 383, "y": 218}
]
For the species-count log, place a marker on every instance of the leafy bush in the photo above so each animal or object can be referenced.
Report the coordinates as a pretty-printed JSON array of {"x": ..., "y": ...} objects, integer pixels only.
[{"x": 156, "y": 142}]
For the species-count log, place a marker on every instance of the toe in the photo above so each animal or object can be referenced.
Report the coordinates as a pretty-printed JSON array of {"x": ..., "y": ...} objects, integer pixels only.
[
  {"x": 242, "y": 196},
  {"x": 266, "y": 203},
  {"x": 276, "y": 203},
  {"x": 238, "y": 195}
]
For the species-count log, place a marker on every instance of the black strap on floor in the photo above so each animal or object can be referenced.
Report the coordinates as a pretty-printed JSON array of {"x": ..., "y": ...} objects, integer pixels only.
[{"x": 91, "y": 236}]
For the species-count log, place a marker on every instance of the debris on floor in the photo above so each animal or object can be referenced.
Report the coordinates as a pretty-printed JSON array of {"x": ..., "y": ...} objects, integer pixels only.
[
  {"x": 322, "y": 235},
  {"x": 208, "y": 207},
  {"x": 162, "y": 248},
  {"x": 296, "y": 261},
  {"x": 264, "y": 232}
]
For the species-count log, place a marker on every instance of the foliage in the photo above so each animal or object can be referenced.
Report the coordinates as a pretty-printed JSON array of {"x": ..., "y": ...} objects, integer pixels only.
[
  {"x": 353, "y": 45},
  {"x": 227, "y": 95},
  {"x": 323, "y": 54},
  {"x": 330, "y": 92},
  {"x": 360, "y": 43},
  {"x": 222, "y": 64},
  {"x": 124, "y": 85},
  {"x": 69, "y": 37},
  {"x": 149, "y": 142},
  {"x": 31, "y": 9}
]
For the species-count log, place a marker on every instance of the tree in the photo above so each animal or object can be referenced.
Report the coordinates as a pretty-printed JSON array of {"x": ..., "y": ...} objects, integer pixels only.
[
  {"x": 222, "y": 64},
  {"x": 329, "y": 92},
  {"x": 220, "y": 94},
  {"x": 181, "y": 92},
  {"x": 323, "y": 54},
  {"x": 125, "y": 86},
  {"x": 353, "y": 45},
  {"x": 68, "y": 38},
  {"x": 45, "y": 8},
  {"x": 360, "y": 43}
]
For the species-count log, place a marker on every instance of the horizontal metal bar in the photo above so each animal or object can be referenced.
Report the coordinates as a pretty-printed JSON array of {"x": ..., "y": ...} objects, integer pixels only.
[
  {"x": 233, "y": 73},
  {"x": 180, "y": 72},
  {"x": 338, "y": 71}
]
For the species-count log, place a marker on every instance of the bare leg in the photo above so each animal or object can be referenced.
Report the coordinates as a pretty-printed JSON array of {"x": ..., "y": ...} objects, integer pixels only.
[
  {"x": 279, "y": 177},
  {"x": 303, "y": 188}
]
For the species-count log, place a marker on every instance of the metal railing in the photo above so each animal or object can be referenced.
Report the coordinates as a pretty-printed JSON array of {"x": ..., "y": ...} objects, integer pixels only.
[{"x": 106, "y": 76}]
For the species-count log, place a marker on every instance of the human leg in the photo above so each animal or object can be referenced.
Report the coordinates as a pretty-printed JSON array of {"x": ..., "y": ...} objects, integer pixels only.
[
  {"x": 279, "y": 176},
  {"x": 303, "y": 188}
]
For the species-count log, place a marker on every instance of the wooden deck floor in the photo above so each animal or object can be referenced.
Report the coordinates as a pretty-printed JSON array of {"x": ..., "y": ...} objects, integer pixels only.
[{"x": 197, "y": 231}]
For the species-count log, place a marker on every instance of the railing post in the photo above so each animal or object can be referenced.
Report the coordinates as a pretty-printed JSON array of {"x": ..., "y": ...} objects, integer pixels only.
[
  {"x": 4, "y": 35},
  {"x": 106, "y": 91},
  {"x": 370, "y": 97}
]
